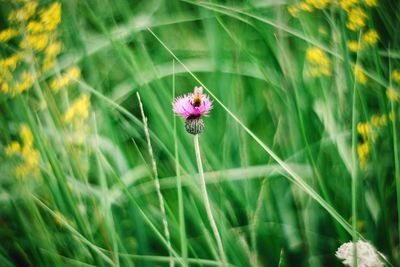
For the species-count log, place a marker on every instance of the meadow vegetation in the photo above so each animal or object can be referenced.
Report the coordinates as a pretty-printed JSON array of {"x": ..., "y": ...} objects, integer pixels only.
[{"x": 298, "y": 156}]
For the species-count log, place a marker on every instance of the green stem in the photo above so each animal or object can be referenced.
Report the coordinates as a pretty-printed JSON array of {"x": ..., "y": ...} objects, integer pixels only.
[
  {"x": 207, "y": 202},
  {"x": 396, "y": 163}
]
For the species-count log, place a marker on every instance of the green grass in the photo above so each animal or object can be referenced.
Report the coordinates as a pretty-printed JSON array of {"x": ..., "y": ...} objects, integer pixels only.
[{"x": 279, "y": 150}]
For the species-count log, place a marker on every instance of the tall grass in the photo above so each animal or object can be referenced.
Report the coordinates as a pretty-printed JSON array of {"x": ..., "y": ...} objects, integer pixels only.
[{"x": 299, "y": 154}]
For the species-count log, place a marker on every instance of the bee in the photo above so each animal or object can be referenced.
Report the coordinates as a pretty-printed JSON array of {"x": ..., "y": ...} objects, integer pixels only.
[{"x": 197, "y": 96}]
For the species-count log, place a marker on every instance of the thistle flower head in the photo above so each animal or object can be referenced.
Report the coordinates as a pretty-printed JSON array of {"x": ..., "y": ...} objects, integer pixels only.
[
  {"x": 193, "y": 107},
  {"x": 367, "y": 256}
]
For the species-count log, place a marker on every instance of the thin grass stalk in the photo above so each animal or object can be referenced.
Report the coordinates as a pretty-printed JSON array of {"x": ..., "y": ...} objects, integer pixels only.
[
  {"x": 75, "y": 233},
  {"x": 396, "y": 164},
  {"x": 207, "y": 201},
  {"x": 182, "y": 226},
  {"x": 157, "y": 183}
]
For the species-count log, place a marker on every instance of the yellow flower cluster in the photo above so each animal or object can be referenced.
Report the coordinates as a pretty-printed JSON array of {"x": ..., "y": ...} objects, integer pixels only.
[
  {"x": 365, "y": 130},
  {"x": 65, "y": 79},
  {"x": 318, "y": 4},
  {"x": 396, "y": 75},
  {"x": 24, "y": 13},
  {"x": 368, "y": 132},
  {"x": 346, "y": 5},
  {"x": 370, "y": 38},
  {"x": 371, "y": 3},
  {"x": 41, "y": 31},
  {"x": 79, "y": 110},
  {"x": 9, "y": 85},
  {"x": 29, "y": 156},
  {"x": 36, "y": 31},
  {"x": 51, "y": 17},
  {"x": 319, "y": 64},
  {"x": 356, "y": 15},
  {"x": 76, "y": 116},
  {"x": 353, "y": 46},
  {"x": 392, "y": 94},
  {"x": 308, "y": 6},
  {"x": 7, "y": 34},
  {"x": 356, "y": 18},
  {"x": 363, "y": 154},
  {"x": 360, "y": 75}
]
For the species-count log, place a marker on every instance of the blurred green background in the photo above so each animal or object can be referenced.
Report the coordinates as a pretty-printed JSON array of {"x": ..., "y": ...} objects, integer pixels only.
[{"x": 76, "y": 181}]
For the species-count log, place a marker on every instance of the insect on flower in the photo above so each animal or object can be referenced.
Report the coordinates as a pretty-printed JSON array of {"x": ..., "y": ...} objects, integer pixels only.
[
  {"x": 198, "y": 91},
  {"x": 192, "y": 107}
]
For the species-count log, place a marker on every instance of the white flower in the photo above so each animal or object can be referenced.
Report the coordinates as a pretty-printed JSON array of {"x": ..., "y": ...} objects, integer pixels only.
[{"x": 367, "y": 256}]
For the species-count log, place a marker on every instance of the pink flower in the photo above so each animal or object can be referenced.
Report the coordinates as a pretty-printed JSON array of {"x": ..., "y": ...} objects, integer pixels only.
[{"x": 193, "y": 105}]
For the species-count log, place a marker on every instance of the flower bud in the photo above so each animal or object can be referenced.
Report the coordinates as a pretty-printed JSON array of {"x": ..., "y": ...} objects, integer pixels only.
[{"x": 194, "y": 126}]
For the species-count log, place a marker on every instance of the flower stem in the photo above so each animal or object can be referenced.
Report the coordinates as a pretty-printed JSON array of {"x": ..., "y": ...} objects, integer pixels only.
[{"x": 207, "y": 202}]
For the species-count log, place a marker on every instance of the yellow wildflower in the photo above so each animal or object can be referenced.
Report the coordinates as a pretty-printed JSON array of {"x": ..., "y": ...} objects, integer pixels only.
[
  {"x": 7, "y": 34},
  {"x": 305, "y": 7},
  {"x": 347, "y": 4},
  {"x": 396, "y": 75},
  {"x": 36, "y": 42},
  {"x": 51, "y": 52},
  {"x": 13, "y": 149},
  {"x": 75, "y": 117},
  {"x": 319, "y": 62},
  {"x": 371, "y": 3},
  {"x": 26, "y": 135},
  {"x": 71, "y": 74},
  {"x": 353, "y": 46},
  {"x": 51, "y": 17},
  {"x": 294, "y": 11},
  {"x": 318, "y": 4},
  {"x": 26, "y": 83},
  {"x": 316, "y": 56},
  {"x": 24, "y": 13},
  {"x": 30, "y": 157},
  {"x": 10, "y": 62},
  {"x": 380, "y": 121},
  {"x": 356, "y": 19},
  {"x": 29, "y": 167},
  {"x": 35, "y": 27},
  {"x": 360, "y": 75},
  {"x": 371, "y": 37},
  {"x": 78, "y": 110},
  {"x": 53, "y": 49},
  {"x": 365, "y": 130},
  {"x": 363, "y": 153},
  {"x": 48, "y": 63},
  {"x": 38, "y": 45},
  {"x": 5, "y": 88},
  {"x": 392, "y": 94}
]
